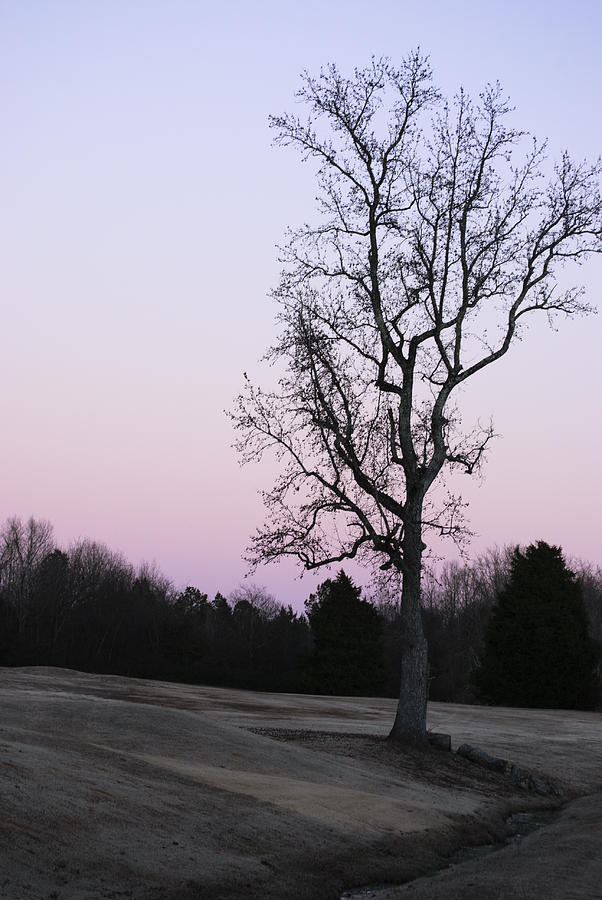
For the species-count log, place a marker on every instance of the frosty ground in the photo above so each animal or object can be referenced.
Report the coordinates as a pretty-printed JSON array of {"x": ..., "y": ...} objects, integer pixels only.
[{"x": 116, "y": 787}]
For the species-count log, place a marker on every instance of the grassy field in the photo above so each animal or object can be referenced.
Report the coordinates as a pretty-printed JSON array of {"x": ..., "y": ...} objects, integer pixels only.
[{"x": 115, "y": 787}]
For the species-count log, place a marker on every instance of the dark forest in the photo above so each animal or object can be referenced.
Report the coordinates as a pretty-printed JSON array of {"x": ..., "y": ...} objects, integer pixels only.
[{"x": 86, "y": 607}]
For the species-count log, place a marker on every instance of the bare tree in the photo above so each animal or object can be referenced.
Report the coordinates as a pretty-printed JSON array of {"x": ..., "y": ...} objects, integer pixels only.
[
  {"x": 456, "y": 604},
  {"x": 23, "y": 546},
  {"x": 258, "y": 597},
  {"x": 439, "y": 237}
]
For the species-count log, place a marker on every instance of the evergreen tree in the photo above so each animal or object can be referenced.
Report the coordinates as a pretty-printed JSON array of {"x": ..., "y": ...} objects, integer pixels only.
[
  {"x": 347, "y": 656},
  {"x": 537, "y": 649}
]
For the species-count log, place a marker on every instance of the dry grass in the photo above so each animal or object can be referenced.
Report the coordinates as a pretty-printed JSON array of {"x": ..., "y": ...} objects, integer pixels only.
[{"x": 114, "y": 787}]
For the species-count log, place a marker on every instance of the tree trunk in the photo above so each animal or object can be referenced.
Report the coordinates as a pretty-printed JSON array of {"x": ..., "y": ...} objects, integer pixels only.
[{"x": 410, "y": 720}]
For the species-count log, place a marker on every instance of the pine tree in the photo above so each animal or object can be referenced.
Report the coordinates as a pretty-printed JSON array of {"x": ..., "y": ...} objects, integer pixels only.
[
  {"x": 347, "y": 656},
  {"x": 537, "y": 649}
]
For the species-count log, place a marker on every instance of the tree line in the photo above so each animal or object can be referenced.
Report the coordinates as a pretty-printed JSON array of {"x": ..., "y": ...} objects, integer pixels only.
[{"x": 86, "y": 607}]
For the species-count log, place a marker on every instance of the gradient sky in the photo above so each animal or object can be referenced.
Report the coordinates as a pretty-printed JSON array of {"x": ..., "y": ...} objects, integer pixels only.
[{"x": 140, "y": 206}]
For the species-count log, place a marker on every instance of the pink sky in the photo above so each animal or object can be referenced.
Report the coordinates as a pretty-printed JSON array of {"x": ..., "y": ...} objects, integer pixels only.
[{"x": 141, "y": 203}]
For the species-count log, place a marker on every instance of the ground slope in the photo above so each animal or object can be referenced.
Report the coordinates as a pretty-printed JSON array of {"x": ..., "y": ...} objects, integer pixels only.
[{"x": 116, "y": 787}]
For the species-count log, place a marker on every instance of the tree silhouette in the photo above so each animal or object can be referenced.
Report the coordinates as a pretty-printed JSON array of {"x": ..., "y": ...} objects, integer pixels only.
[
  {"x": 51, "y": 600},
  {"x": 440, "y": 235},
  {"x": 537, "y": 649},
  {"x": 347, "y": 656}
]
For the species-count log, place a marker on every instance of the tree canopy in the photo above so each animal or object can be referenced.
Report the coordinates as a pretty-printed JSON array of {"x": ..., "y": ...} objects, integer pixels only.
[
  {"x": 346, "y": 629},
  {"x": 538, "y": 652}
]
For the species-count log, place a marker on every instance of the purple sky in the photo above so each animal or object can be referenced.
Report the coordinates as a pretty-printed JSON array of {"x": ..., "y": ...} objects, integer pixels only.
[{"x": 140, "y": 205}]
